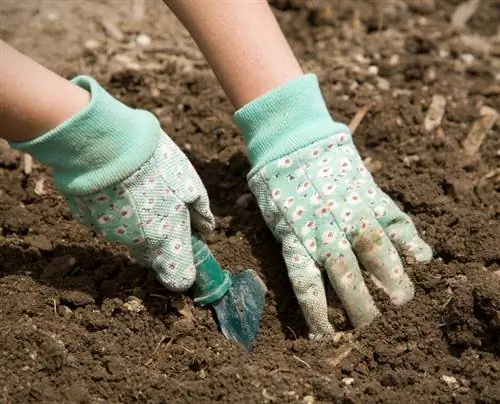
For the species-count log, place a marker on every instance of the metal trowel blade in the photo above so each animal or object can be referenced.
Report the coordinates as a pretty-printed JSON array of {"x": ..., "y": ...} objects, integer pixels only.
[{"x": 239, "y": 311}]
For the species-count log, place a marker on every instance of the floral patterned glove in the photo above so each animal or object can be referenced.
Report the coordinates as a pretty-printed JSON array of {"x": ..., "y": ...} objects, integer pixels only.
[
  {"x": 123, "y": 176},
  {"x": 322, "y": 204}
]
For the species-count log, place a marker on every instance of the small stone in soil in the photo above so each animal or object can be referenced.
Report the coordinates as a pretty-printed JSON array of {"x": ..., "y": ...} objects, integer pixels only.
[{"x": 76, "y": 298}]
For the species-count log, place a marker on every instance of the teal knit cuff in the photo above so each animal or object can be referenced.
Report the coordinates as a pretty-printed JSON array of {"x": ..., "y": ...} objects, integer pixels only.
[
  {"x": 100, "y": 146},
  {"x": 284, "y": 120}
]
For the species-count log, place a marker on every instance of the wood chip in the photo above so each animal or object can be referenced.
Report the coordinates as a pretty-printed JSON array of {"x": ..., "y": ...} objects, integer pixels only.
[
  {"x": 27, "y": 164},
  {"x": 464, "y": 12},
  {"x": 137, "y": 10},
  {"x": 359, "y": 117},
  {"x": 112, "y": 30},
  {"x": 480, "y": 129},
  {"x": 435, "y": 114}
]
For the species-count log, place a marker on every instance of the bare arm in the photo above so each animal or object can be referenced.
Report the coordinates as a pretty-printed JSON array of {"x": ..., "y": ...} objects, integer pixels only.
[
  {"x": 242, "y": 42},
  {"x": 33, "y": 99}
]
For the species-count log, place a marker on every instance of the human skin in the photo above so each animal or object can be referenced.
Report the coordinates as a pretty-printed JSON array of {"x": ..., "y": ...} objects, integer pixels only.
[{"x": 241, "y": 41}]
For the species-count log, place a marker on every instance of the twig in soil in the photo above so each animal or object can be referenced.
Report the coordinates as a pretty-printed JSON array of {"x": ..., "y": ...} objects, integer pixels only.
[
  {"x": 159, "y": 296},
  {"x": 148, "y": 362},
  {"x": 464, "y": 12},
  {"x": 448, "y": 301},
  {"x": 55, "y": 306},
  {"x": 353, "y": 125},
  {"x": 344, "y": 352},
  {"x": 480, "y": 129},
  {"x": 302, "y": 361},
  {"x": 27, "y": 164}
]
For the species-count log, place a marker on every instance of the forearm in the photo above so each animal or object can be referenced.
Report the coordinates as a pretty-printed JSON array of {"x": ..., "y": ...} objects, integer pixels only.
[
  {"x": 33, "y": 99},
  {"x": 243, "y": 44}
]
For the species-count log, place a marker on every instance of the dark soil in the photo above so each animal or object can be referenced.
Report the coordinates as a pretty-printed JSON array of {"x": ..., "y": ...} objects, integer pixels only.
[{"x": 72, "y": 331}]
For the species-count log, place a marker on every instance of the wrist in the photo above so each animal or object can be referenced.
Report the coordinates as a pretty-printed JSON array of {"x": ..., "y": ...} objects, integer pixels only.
[
  {"x": 285, "y": 119},
  {"x": 99, "y": 146}
]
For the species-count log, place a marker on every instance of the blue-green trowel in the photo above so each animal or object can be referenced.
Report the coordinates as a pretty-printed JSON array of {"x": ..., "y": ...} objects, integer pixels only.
[{"x": 237, "y": 299}]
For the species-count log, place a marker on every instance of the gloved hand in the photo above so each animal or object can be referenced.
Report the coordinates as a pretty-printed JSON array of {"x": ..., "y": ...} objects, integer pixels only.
[
  {"x": 123, "y": 176},
  {"x": 322, "y": 204}
]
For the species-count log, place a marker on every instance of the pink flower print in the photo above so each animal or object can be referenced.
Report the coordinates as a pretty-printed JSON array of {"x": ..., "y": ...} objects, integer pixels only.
[
  {"x": 331, "y": 146},
  {"x": 345, "y": 166},
  {"x": 343, "y": 244},
  {"x": 328, "y": 189},
  {"x": 285, "y": 162},
  {"x": 325, "y": 172},
  {"x": 310, "y": 225},
  {"x": 328, "y": 236},
  {"x": 396, "y": 272},
  {"x": 362, "y": 171},
  {"x": 121, "y": 191},
  {"x": 328, "y": 255},
  {"x": 101, "y": 198},
  {"x": 276, "y": 194},
  {"x": 346, "y": 215},
  {"x": 324, "y": 162},
  {"x": 151, "y": 180},
  {"x": 303, "y": 187},
  {"x": 363, "y": 225},
  {"x": 105, "y": 219},
  {"x": 289, "y": 202},
  {"x": 393, "y": 254},
  {"x": 126, "y": 212},
  {"x": 315, "y": 199},
  {"x": 178, "y": 207},
  {"x": 120, "y": 231},
  {"x": 165, "y": 227},
  {"x": 342, "y": 138},
  {"x": 348, "y": 229},
  {"x": 296, "y": 259},
  {"x": 176, "y": 247},
  {"x": 298, "y": 213},
  {"x": 325, "y": 209},
  {"x": 138, "y": 240},
  {"x": 165, "y": 155},
  {"x": 353, "y": 199},
  {"x": 311, "y": 245},
  {"x": 370, "y": 192},
  {"x": 168, "y": 192},
  {"x": 315, "y": 153},
  {"x": 347, "y": 280},
  {"x": 348, "y": 150},
  {"x": 379, "y": 211}
]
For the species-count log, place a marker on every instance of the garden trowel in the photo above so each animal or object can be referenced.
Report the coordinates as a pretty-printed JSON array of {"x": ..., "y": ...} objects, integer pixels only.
[{"x": 237, "y": 299}]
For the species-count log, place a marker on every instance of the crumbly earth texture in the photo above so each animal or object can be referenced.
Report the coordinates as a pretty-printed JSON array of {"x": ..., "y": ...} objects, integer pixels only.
[{"x": 82, "y": 323}]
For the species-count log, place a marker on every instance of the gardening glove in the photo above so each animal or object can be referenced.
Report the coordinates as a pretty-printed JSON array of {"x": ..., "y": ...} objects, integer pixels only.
[
  {"x": 124, "y": 177},
  {"x": 322, "y": 204}
]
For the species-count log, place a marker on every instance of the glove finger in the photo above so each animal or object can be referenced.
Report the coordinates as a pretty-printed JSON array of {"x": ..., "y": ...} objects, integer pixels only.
[
  {"x": 172, "y": 259},
  {"x": 345, "y": 276},
  {"x": 185, "y": 182},
  {"x": 402, "y": 232},
  {"x": 307, "y": 283},
  {"x": 375, "y": 252}
]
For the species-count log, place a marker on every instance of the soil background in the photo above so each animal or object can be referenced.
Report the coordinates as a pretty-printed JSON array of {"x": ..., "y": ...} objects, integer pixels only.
[{"x": 82, "y": 323}]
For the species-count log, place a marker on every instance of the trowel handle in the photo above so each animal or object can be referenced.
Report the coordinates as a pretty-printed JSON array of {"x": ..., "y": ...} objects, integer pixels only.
[{"x": 211, "y": 281}]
